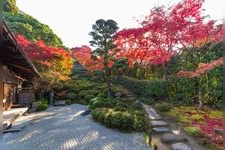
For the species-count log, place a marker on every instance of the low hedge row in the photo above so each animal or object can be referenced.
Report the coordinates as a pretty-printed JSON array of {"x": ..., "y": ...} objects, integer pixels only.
[
  {"x": 181, "y": 91},
  {"x": 144, "y": 88},
  {"x": 122, "y": 120}
]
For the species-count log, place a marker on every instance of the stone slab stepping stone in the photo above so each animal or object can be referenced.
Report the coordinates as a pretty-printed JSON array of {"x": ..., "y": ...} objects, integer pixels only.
[
  {"x": 152, "y": 114},
  {"x": 171, "y": 138},
  {"x": 7, "y": 124},
  {"x": 86, "y": 112},
  {"x": 59, "y": 103},
  {"x": 161, "y": 129},
  {"x": 219, "y": 131},
  {"x": 11, "y": 130},
  {"x": 157, "y": 123},
  {"x": 180, "y": 146}
]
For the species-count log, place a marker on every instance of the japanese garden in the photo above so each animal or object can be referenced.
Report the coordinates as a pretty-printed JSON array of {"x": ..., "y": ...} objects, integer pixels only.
[{"x": 163, "y": 79}]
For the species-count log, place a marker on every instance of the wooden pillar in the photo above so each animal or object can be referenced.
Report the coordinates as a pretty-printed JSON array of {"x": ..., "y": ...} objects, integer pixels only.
[{"x": 1, "y": 81}]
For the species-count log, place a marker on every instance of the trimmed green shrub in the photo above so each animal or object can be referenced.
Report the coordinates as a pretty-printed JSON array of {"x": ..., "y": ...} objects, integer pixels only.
[
  {"x": 98, "y": 112},
  {"x": 122, "y": 104},
  {"x": 122, "y": 114},
  {"x": 119, "y": 108},
  {"x": 102, "y": 95},
  {"x": 182, "y": 90},
  {"x": 93, "y": 92},
  {"x": 148, "y": 101},
  {"x": 82, "y": 94},
  {"x": 144, "y": 88},
  {"x": 91, "y": 101},
  {"x": 97, "y": 104},
  {"x": 68, "y": 102},
  {"x": 41, "y": 107},
  {"x": 88, "y": 97},
  {"x": 71, "y": 95},
  {"x": 163, "y": 107},
  {"x": 109, "y": 104},
  {"x": 122, "y": 120}
]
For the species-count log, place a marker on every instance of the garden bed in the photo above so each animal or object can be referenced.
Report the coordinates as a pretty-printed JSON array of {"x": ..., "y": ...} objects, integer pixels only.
[{"x": 205, "y": 124}]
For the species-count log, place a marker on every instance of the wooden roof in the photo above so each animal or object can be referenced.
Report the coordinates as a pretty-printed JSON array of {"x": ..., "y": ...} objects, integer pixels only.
[{"x": 15, "y": 58}]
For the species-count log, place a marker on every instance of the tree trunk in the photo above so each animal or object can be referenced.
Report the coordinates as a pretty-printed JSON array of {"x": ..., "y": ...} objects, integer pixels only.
[
  {"x": 164, "y": 71},
  {"x": 200, "y": 98},
  {"x": 107, "y": 79},
  {"x": 109, "y": 91}
]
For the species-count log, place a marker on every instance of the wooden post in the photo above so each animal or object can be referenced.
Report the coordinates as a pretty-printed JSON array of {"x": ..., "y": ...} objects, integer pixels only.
[
  {"x": 155, "y": 147},
  {"x": 150, "y": 138}
]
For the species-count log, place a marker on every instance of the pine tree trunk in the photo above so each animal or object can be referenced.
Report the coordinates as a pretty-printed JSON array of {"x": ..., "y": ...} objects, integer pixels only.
[{"x": 107, "y": 79}]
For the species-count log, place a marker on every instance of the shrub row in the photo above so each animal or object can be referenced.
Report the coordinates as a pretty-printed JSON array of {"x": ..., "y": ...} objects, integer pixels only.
[
  {"x": 43, "y": 105},
  {"x": 188, "y": 90},
  {"x": 144, "y": 88},
  {"x": 178, "y": 90},
  {"x": 122, "y": 120}
]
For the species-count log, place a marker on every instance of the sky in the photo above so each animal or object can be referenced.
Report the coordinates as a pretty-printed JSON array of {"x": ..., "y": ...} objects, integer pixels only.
[{"x": 72, "y": 20}]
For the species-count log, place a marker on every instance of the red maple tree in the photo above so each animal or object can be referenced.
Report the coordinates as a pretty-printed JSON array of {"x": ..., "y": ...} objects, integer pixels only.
[
  {"x": 166, "y": 32},
  {"x": 83, "y": 55},
  {"x": 54, "y": 63}
]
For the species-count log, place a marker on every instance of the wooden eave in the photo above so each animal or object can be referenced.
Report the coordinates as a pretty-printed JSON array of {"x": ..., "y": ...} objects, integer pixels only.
[{"x": 15, "y": 58}]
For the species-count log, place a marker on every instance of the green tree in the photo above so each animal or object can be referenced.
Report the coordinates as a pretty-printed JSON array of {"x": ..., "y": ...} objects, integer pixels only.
[
  {"x": 102, "y": 38},
  {"x": 10, "y": 6},
  {"x": 26, "y": 25}
]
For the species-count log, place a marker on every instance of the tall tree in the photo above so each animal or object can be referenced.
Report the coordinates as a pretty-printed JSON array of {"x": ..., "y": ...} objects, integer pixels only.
[
  {"x": 54, "y": 63},
  {"x": 103, "y": 35},
  {"x": 165, "y": 32},
  {"x": 10, "y": 6}
]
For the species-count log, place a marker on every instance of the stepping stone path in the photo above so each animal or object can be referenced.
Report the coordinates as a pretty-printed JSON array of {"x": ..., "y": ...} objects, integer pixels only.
[
  {"x": 158, "y": 123},
  {"x": 219, "y": 131},
  {"x": 169, "y": 137},
  {"x": 59, "y": 103},
  {"x": 161, "y": 129},
  {"x": 152, "y": 114},
  {"x": 159, "y": 126},
  {"x": 180, "y": 146}
]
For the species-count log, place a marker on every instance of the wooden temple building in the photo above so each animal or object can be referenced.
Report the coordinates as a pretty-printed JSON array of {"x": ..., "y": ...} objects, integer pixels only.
[{"x": 17, "y": 69}]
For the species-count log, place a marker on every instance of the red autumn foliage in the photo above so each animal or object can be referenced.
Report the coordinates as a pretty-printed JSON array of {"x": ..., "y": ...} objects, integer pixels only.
[
  {"x": 83, "y": 55},
  {"x": 166, "y": 32},
  {"x": 208, "y": 127},
  {"x": 52, "y": 62}
]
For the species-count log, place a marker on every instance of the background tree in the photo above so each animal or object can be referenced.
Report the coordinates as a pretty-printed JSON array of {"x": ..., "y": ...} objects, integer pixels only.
[
  {"x": 166, "y": 32},
  {"x": 103, "y": 39},
  {"x": 54, "y": 63},
  {"x": 83, "y": 55},
  {"x": 10, "y": 6},
  {"x": 26, "y": 25}
]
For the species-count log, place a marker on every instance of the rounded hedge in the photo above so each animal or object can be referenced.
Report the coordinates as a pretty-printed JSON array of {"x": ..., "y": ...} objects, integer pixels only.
[{"x": 122, "y": 120}]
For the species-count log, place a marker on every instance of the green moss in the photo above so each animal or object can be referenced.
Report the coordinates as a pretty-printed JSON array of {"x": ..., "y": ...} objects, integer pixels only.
[
  {"x": 183, "y": 119},
  {"x": 197, "y": 117},
  {"x": 174, "y": 112},
  {"x": 192, "y": 131},
  {"x": 216, "y": 114}
]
